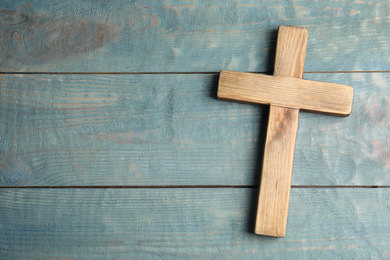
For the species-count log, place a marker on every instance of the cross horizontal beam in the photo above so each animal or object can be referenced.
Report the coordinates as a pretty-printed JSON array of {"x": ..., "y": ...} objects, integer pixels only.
[{"x": 289, "y": 92}]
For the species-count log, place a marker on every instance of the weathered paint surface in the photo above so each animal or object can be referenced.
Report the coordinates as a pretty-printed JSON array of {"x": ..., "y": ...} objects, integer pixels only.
[
  {"x": 165, "y": 130},
  {"x": 189, "y": 36},
  {"x": 195, "y": 223},
  {"x": 171, "y": 130}
]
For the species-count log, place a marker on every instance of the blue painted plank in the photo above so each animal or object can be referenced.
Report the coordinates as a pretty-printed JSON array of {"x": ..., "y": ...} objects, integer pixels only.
[
  {"x": 196, "y": 36},
  {"x": 196, "y": 223},
  {"x": 63, "y": 130}
]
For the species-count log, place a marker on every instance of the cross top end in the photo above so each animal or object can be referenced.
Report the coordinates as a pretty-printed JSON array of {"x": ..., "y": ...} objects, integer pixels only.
[{"x": 287, "y": 88}]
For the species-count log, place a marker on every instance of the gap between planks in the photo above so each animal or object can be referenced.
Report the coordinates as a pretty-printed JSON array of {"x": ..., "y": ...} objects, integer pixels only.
[
  {"x": 193, "y": 187},
  {"x": 178, "y": 73}
]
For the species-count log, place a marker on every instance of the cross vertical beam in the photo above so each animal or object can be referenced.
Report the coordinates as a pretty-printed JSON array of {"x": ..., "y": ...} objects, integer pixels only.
[{"x": 275, "y": 185}]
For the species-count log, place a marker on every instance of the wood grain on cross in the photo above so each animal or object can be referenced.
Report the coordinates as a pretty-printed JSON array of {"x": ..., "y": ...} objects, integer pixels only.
[{"x": 286, "y": 93}]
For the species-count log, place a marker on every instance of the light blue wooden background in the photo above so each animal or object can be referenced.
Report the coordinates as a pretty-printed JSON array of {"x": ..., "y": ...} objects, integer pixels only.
[{"x": 113, "y": 144}]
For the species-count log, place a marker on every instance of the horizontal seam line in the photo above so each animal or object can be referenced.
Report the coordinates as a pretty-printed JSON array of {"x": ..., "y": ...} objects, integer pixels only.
[
  {"x": 188, "y": 187},
  {"x": 173, "y": 73}
]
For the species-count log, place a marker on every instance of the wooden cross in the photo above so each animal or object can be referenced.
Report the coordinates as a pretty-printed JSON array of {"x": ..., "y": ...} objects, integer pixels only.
[{"x": 286, "y": 93}]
